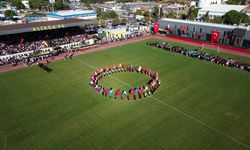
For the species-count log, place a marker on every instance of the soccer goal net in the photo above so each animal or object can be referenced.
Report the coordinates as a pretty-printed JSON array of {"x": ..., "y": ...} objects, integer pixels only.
[{"x": 212, "y": 47}]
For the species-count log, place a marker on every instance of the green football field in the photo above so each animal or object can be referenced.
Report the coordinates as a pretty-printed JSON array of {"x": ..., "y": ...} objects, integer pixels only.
[{"x": 199, "y": 105}]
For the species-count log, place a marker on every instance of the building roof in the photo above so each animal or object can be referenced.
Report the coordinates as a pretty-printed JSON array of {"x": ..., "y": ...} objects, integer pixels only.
[
  {"x": 247, "y": 8},
  {"x": 202, "y": 23},
  {"x": 222, "y": 8},
  {"x": 116, "y": 31},
  {"x": 71, "y": 13},
  {"x": 47, "y": 25}
]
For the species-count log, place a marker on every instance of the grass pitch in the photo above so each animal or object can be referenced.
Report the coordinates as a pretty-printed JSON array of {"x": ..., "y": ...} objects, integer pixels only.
[{"x": 200, "y": 105}]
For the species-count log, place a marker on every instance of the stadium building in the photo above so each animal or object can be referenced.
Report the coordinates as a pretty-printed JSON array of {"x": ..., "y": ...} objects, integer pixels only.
[
  {"x": 227, "y": 34},
  {"x": 22, "y": 35}
]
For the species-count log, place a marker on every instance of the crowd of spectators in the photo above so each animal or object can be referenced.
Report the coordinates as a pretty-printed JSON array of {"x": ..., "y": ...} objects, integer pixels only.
[
  {"x": 11, "y": 44},
  {"x": 35, "y": 41}
]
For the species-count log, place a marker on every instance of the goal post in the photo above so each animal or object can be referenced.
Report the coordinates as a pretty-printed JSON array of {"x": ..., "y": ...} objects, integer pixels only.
[{"x": 211, "y": 47}]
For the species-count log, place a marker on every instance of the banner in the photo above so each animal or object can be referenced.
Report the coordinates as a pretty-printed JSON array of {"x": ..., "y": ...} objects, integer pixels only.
[
  {"x": 156, "y": 27},
  {"x": 183, "y": 30},
  {"x": 215, "y": 36},
  {"x": 232, "y": 40}
]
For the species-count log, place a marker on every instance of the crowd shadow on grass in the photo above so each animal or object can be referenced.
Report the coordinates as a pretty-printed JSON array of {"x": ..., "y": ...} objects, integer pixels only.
[{"x": 3, "y": 142}]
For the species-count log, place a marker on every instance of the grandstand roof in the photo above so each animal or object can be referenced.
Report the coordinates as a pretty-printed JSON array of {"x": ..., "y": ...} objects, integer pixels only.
[
  {"x": 40, "y": 26},
  {"x": 201, "y": 23},
  {"x": 222, "y": 8}
]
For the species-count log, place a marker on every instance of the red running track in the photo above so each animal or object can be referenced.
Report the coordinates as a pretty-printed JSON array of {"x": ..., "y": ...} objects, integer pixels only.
[{"x": 223, "y": 48}]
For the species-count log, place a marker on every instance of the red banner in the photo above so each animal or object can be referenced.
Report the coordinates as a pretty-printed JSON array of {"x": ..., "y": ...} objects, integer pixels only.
[
  {"x": 184, "y": 28},
  {"x": 156, "y": 27},
  {"x": 215, "y": 36},
  {"x": 232, "y": 40}
]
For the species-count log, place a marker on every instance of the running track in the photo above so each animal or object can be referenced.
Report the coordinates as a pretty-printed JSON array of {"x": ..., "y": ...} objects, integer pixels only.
[{"x": 225, "y": 49}]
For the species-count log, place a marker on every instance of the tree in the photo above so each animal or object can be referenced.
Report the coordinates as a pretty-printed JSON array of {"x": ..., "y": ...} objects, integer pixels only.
[
  {"x": 124, "y": 21},
  {"x": 233, "y": 2},
  {"x": 98, "y": 12},
  {"x": 117, "y": 21},
  {"x": 61, "y": 6},
  {"x": 146, "y": 19},
  {"x": 146, "y": 14},
  {"x": 183, "y": 16},
  {"x": 9, "y": 14},
  {"x": 38, "y": 4},
  {"x": 112, "y": 14},
  {"x": 192, "y": 13},
  {"x": 18, "y": 4},
  {"x": 235, "y": 17},
  {"x": 219, "y": 20},
  {"x": 205, "y": 17},
  {"x": 155, "y": 13},
  {"x": 172, "y": 15},
  {"x": 138, "y": 12}
]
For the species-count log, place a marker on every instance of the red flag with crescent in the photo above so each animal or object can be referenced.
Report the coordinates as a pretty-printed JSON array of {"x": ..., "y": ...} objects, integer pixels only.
[
  {"x": 215, "y": 36},
  {"x": 156, "y": 27}
]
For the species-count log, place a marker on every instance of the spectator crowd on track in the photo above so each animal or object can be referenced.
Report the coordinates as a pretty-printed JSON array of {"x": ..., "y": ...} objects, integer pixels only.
[{"x": 195, "y": 53}]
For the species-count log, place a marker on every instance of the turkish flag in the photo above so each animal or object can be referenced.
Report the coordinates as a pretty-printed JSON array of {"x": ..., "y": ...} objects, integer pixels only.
[
  {"x": 183, "y": 29},
  {"x": 202, "y": 35},
  {"x": 215, "y": 36},
  {"x": 156, "y": 27},
  {"x": 232, "y": 40}
]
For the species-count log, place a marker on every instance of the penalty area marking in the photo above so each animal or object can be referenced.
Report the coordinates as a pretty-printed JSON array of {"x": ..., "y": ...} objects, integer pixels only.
[
  {"x": 183, "y": 113},
  {"x": 5, "y": 139}
]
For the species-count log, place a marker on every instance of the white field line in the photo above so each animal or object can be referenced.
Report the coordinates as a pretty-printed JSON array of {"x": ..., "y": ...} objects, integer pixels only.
[
  {"x": 5, "y": 139},
  {"x": 184, "y": 113}
]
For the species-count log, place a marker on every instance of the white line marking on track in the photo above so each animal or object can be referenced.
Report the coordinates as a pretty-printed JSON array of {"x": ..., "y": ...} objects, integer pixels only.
[
  {"x": 25, "y": 65},
  {"x": 183, "y": 113},
  {"x": 5, "y": 139}
]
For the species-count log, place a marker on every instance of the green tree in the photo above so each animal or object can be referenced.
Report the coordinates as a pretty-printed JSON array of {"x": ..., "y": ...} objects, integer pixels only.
[
  {"x": 146, "y": 19},
  {"x": 235, "y": 17},
  {"x": 18, "y": 4},
  {"x": 219, "y": 20},
  {"x": 183, "y": 16},
  {"x": 205, "y": 17},
  {"x": 59, "y": 5},
  {"x": 38, "y": 4},
  {"x": 112, "y": 14},
  {"x": 138, "y": 12},
  {"x": 146, "y": 14},
  {"x": 124, "y": 21},
  {"x": 117, "y": 21},
  {"x": 172, "y": 15},
  {"x": 98, "y": 12},
  {"x": 155, "y": 13},
  {"x": 192, "y": 13},
  {"x": 233, "y": 2},
  {"x": 9, "y": 14}
]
